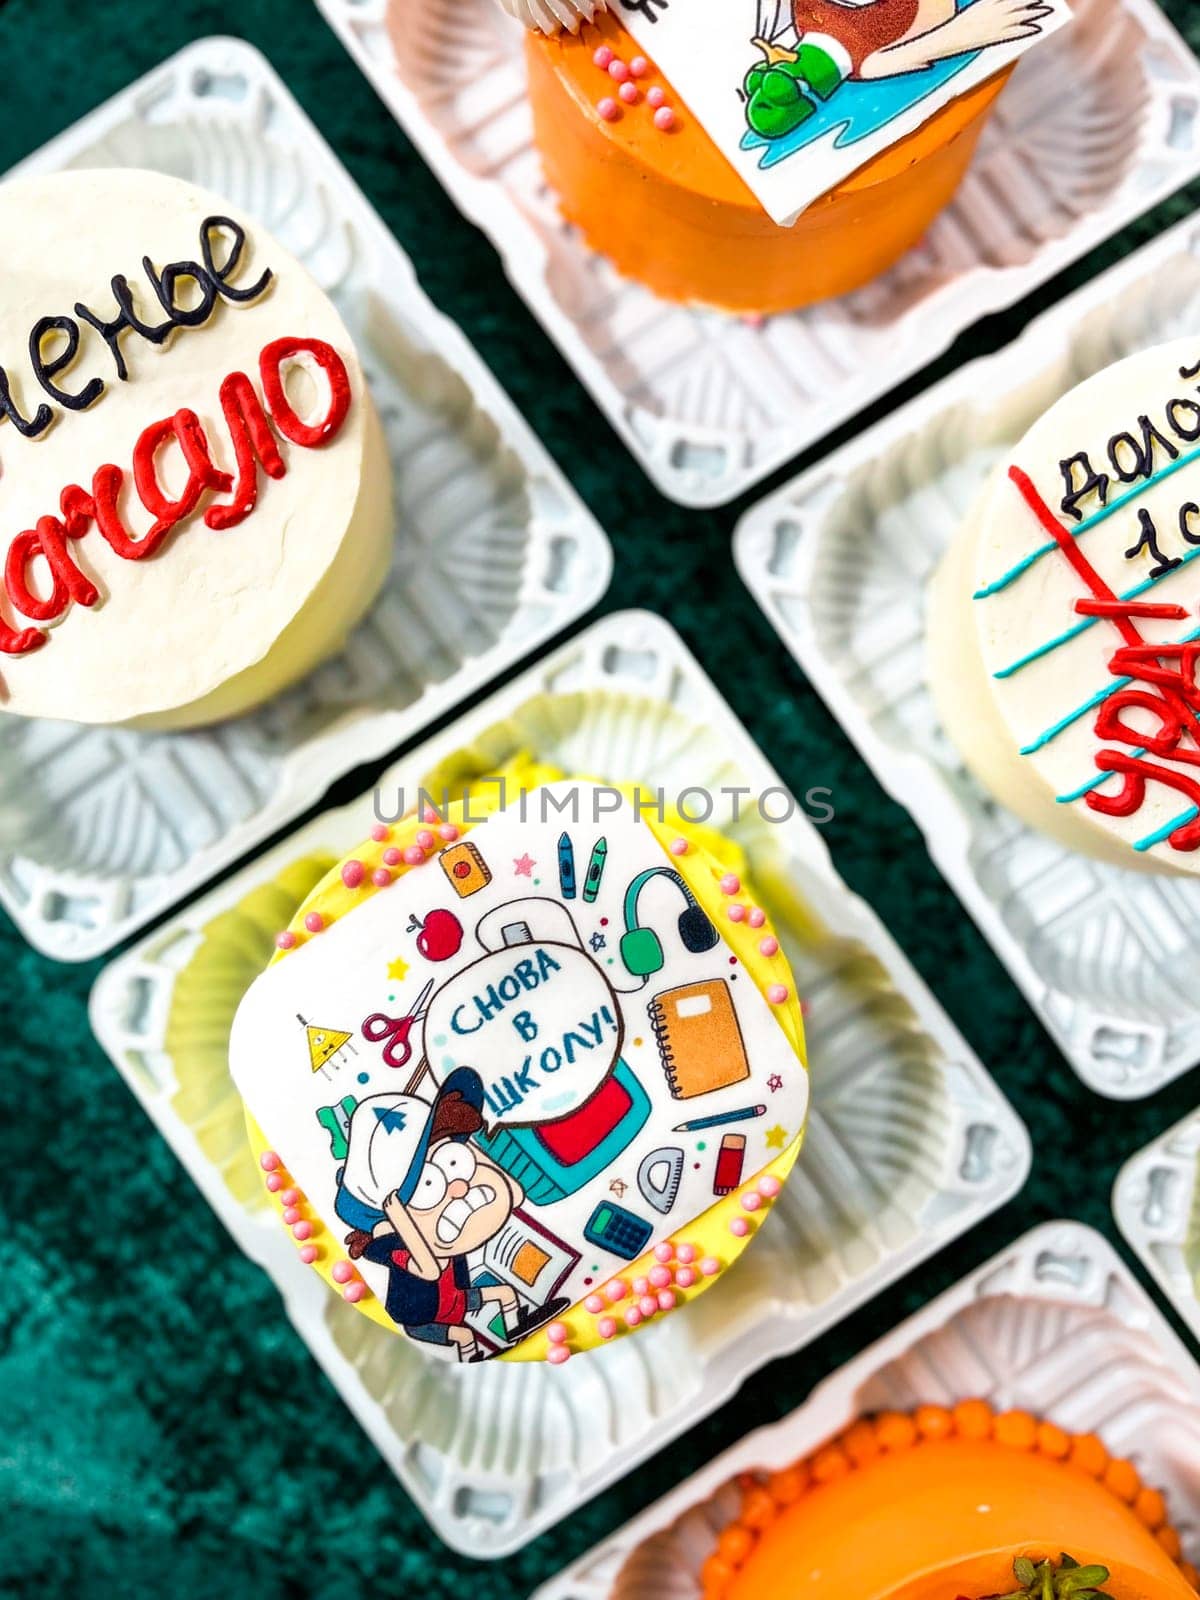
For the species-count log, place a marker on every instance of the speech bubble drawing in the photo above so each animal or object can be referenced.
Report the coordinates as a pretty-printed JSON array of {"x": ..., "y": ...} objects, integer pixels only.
[{"x": 539, "y": 1022}]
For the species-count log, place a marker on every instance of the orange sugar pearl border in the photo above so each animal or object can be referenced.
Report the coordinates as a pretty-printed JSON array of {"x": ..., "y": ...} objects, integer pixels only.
[{"x": 765, "y": 1498}]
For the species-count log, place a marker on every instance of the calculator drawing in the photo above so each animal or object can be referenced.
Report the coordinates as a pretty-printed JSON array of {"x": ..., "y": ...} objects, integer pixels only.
[{"x": 610, "y": 1227}]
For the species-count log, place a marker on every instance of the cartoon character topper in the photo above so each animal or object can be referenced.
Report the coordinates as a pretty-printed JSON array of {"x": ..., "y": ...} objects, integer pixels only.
[
  {"x": 509, "y": 1130},
  {"x": 798, "y": 94}
]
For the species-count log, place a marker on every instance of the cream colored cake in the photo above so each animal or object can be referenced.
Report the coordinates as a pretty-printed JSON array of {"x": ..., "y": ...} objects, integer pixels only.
[
  {"x": 195, "y": 502},
  {"x": 1063, "y": 620}
]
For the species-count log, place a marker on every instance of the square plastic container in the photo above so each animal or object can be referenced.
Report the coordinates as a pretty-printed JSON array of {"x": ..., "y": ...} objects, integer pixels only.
[
  {"x": 1055, "y": 1325},
  {"x": 839, "y": 560},
  {"x": 910, "y": 1142},
  {"x": 495, "y": 552},
  {"x": 1156, "y": 1201},
  {"x": 1099, "y": 123}
]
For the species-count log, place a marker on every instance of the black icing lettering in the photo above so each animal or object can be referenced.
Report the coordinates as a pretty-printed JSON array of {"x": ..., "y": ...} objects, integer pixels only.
[
  {"x": 1174, "y": 407},
  {"x": 1190, "y": 372},
  {"x": 1186, "y": 513},
  {"x": 125, "y": 319},
  {"x": 46, "y": 371},
  {"x": 164, "y": 285},
  {"x": 1094, "y": 482},
  {"x": 221, "y": 275},
  {"x": 29, "y": 427},
  {"x": 1148, "y": 541},
  {"x": 1142, "y": 451}
]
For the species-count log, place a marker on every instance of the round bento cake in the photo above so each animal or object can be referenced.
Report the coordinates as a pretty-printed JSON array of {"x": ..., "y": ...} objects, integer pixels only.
[
  {"x": 527, "y": 1072},
  {"x": 1063, "y": 628},
  {"x": 195, "y": 494}
]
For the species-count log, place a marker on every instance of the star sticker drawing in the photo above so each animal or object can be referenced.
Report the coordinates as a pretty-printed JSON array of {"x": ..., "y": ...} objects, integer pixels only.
[
  {"x": 775, "y": 1138},
  {"x": 598, "y": 942},
  {"x": 618, "y": 1188},
  {"x": 774, "y": 1083},
  {"x": 398, "y": 970},
  {"x": 523, "y": 866}
]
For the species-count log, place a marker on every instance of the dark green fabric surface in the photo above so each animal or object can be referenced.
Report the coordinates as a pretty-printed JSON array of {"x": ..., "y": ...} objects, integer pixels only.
[{"x": 162, "y": 1431}]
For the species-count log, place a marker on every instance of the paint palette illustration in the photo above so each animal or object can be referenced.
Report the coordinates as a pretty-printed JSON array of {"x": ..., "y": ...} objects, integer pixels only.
[{"x": 547, "y": 1064}]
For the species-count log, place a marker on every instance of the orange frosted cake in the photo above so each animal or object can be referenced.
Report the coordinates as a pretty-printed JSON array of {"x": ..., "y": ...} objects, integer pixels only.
[
  {"x": 951, "y": 1504},
  {"x": 760, "y": 155}
]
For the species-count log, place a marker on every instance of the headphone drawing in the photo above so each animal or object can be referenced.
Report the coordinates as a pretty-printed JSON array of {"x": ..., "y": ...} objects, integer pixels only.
[{"x": 641, "y": 949}]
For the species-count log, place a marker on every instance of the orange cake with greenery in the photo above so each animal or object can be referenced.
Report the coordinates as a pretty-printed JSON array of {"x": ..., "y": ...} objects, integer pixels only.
[{"x": 951, "y": 1504}]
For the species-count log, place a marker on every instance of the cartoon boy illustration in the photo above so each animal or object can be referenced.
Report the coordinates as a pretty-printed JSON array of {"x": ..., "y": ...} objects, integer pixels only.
[
  {"x": 865, "y": 39},
  {"x": 420, "y": 1199}
]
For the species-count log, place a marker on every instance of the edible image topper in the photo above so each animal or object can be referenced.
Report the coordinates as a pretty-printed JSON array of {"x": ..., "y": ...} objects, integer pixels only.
[
  {"x": 798, "y": 94},
  {"x": 529, "y": 1061}
]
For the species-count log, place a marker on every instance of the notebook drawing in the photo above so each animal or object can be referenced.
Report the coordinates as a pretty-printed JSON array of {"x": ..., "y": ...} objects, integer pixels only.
[{"x": 699, "y": 1038}]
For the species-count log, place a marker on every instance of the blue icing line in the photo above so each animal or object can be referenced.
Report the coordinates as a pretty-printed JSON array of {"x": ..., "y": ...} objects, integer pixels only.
[
  {"x": 1088, "y": 523},
  {"x": 1094, "y": 783},
  {"x": 1167, "y": 829},
  {"x": 1090, "y": 622}
]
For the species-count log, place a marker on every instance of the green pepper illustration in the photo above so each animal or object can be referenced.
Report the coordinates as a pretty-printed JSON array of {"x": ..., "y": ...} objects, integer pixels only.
[{"x": 779, "y": 92}]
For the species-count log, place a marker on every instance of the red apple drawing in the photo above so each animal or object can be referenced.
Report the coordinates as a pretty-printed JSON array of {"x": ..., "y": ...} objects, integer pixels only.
[{"x": 441, "y": 935}]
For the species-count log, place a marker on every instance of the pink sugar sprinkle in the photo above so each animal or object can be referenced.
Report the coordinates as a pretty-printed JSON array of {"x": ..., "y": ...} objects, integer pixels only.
[
  {"x": 557, "y": 1354},
  {"x": 660, "y": 1277},
  {"x": 739, "y": 1227},
  {"x": 656, "y": 97},
  {"x": 685, "y": 1278},
  {"x": 757, "y": 917},
  {"x": 679, "y": 847},
  {"x": 777, "y": 993},
  {"x": 632, "y": 1317},
  {"x": 664, "y": 1251},
  {"x": 342, "y": 1272},
  {"x": 379, "y": 833},
  {"x": 354, "y": 1292},
  {"x": 274, "y": 1183},
  {"x": 687, "y": 1253},
  {"x": 770, "y": 1186},
  {"x": 617, "y": 70},
  {"x": 425, "y": 839},
  {"x": 616, "y": 1291},
  {"x": 751, "y": 1201},
  {"x": 392, "y": 857},
  {"x": 602, "y": 57},
  {"x": 731, "y": 883},
  {"x": 314, "y": 922},
  {"x": 290, "y": 1215},
  {"x": 629, "y": 94},
  {"x": 736, "y": 912},
  {"x": 710, "y": 1266},
  {"x": 309, "y": 1254},
  {"x": 428, "y": 814},
  {"x": 557, "y": 1333},
  {"x": 641, "y": 1286},
  {"x": 648, "y": 1305},
  {"x": 595, "y": 1304},
  {"x": 769, "y": 946},
  {"x": 285, "y": 940},
  {"x": 381, "y": 878},
  {"x": 291, "y": 1197},
  {"x": 664, "y": 119},
  {"x": 269, "y": 1161},
  {"x": 302, "y": 1230},
  {"x": 609, "y": 109},
  {"x": 639, "y": 66},
  {"x": 448, "y": 831},
  {"x": 353, "y": 873},
  {"x": 607, "y": 1327},
  {"x": 666, "y": 1300},
  {"x": 414, "y": 855}
]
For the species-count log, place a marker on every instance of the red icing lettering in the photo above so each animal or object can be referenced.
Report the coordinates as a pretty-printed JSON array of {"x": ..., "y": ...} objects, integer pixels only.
[
  {"x": 253, "y": 441},
  {"x": 253, "y": 444},
  {"x": 270, "y": 364},
  {"x": 1132, "y": 794}
]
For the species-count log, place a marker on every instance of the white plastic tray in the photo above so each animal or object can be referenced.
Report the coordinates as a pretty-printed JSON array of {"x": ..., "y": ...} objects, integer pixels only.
[
  {"x": 496, "y": 552},
  {"x": 1055, "y": 1324},
  {"x": 1099, "y": 124},
  {"x": 910, "y": 1143},
  {"x": 1156, "y": 1202},
  {"x": 839, "y": 559}
]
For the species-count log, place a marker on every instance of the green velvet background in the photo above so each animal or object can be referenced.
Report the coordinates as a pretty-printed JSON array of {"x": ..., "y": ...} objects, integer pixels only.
[{"x": 162, "y": 1431}]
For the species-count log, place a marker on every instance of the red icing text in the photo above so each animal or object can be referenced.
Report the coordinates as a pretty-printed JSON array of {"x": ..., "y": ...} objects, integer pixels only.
[{"x": 254, "y": 445}]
